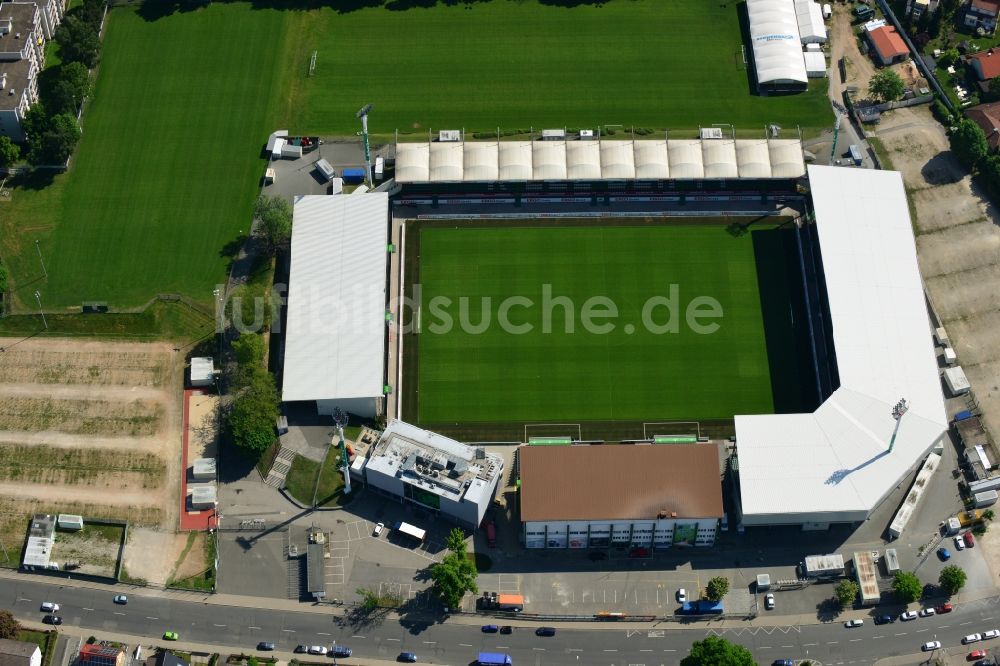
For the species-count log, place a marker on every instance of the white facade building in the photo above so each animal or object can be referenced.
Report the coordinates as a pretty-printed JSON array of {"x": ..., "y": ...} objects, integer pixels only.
[
  {"x": 652, "y": 496},
  {"x": 24, "y": 29},
  {"x": 434, "y": 472},
  {"x": 835, "y": 465},
  {"x": 335, "y": 340}
]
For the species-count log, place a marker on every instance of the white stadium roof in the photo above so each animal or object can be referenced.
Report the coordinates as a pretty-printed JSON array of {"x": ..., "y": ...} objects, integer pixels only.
[
  {"x": 833, "y": 465},
  {"x": 485, "y": 161},
  {"x": 777, "y": 48},
  {"x": 334, "y": 345},
  {"x": 812, "y": 29}
]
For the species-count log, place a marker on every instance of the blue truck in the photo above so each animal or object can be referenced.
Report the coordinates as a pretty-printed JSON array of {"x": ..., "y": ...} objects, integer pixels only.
[
  {"x": 494, "y": 659},
  {"x": 702, "y": 607}
]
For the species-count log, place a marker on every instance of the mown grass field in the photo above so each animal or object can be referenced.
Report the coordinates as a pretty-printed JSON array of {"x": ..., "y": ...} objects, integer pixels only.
[
  {"x": 166, "y": 172},
  {"x": 631, "y": 372},
  {"x": 642, "y": 63}
]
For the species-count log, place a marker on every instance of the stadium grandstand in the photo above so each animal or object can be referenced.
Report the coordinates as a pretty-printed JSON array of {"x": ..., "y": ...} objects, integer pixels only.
[{"x": 882, "y": 409}]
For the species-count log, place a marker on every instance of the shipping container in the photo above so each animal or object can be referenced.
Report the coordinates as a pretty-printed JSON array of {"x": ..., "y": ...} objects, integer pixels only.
[
  {"x": 353, "y": 175},
  {"x": 988, "y": 498}
]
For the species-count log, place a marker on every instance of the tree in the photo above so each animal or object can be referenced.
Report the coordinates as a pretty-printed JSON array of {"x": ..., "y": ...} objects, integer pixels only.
[
  {"x": 34, "y": 124},
  {"x": 78, "y": 41},
  {"x": 968, "y": 143},
  {"x": 9, "y": 627},
  {"x": 952, "y": 578},
  {"x": 717, "y": 588},
  {"x": 453, "y": 576},
  {"x": 275, "y": 215},
  {"x": 249, "y": 350},
  {"x": 907, "y": 586},
  {"x": 9, "y": 151},
  {"x": 886, "y": 86},
  {"x": 948, "y": 58},
  {"x": 57, "y": 141},
  {"x": 715, "y": 651},
  {"x": 254, "y": 412},
  {"x": 988, "y": 515},
  {"x": 71, "y": 86},
  {"x": 456, "y": 541},
  {"x": 845, "y": 593}
]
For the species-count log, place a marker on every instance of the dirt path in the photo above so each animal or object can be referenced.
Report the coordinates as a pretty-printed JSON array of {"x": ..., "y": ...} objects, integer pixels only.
[
  {"x": 70, "y": 441},
  {"x": 84, "y": 392},
  {"x": 118, "y": 497},
  {"x": 843, "y": 43}
]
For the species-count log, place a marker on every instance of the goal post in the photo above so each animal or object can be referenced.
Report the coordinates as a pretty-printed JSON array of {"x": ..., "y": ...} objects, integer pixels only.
[{"x": 551, "y": 434}]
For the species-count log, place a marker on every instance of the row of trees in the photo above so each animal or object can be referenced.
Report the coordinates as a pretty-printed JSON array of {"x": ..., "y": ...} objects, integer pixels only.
[{"x": 905, "y": 585}]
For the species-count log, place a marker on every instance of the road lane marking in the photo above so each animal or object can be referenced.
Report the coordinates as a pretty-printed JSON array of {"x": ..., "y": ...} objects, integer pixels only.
[
  {"x": 832, "y": 642},
  {"x": 357, "y": 636},
  {"x": 156, "y": 618},
  {"x": 670, "y": 650},
  {"x": 543, "y": 649},
  {"x": 610, "y": 650},
  {"x": 919, "y": 630},
  {"x": 962, "y": 624},
  {"x": 289, "y": 631},
  {"x": 853, "y": 640},
  {"x": 902, "y": 634},
  {"x": 322, "y": 633},
  {"x": 573, "y": 650},
  {"x": 809, "y": 644},
  {"x": 395, "y": 639},
  {"x": 499, "y": 647},
  {"x": 988, "y": 618},
  {"x": 430, "y": 642},
  {"x": 789, "y": 646},
  {"x": 944, "y": 626},
  {"x": 464, "y": 645},
  {"x": 24, "y": 599},
  {"x": 645, "y": 650},
  {"x": 119, "y": 613},
  {"x": 88, "y": 609},
  {"x": 878, "y": 636},
  {"x": 765, "y": 647}
]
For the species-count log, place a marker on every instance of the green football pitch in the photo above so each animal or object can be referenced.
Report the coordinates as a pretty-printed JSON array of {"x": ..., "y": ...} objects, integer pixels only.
[
  {"x": 675, "y": 64},
  {"x": 634, "y": 371}
]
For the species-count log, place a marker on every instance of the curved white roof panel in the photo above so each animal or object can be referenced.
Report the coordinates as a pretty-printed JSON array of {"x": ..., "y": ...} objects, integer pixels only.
[
  {"x": 753, "y": 158},
  {"x": 774, "y": 37},
  {"x": 617, "y": 159},
  {"x": 809, "y": 15},
  {"x": 489, "y": 161},
  {"x": 651, "y": 159},
  {"x": 549, "y": 159},
  {"x": 447, "y": 161},
  {"x": 481, "y": 161},
  {"x": 583, "y": 160},
  {"x": 834, "y": 464},
  {"x": 413, "y": 162},
  {"x": 515, "y": 160},
  {"x": 719, "y": 158},
  {"x": 786, "y": 158},
  {"x": 338, "y": 265},
  {"x": 685, "y": 158}
]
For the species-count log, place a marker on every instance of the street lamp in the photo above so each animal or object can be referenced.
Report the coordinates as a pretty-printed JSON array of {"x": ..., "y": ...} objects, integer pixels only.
[
  {"x": 38, "y": 297},
  {"x": 363, "y": 115}
]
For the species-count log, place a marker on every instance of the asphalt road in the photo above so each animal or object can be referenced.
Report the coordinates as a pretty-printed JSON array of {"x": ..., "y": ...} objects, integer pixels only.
[{"x": 454, "y": 643}]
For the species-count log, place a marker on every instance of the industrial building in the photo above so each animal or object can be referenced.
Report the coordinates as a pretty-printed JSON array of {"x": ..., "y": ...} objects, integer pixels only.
[
  {"x": 658, "y": 496},
  {"x": 883, "y": 410},
  {"x": 336, "y": 322},
  {"x": 41, "y": 538},
  {"x": 202, "y": 371},
  {"x": 600, "y": 159},
  {"x": 776, "y": 46},
  {"x": 434, "y": 472}
]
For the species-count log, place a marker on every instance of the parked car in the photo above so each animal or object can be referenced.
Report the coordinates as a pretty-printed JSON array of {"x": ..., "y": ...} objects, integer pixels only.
[
  {"x": 943, "y": 608},
  {"x": 317, "y": 649},
  {"x": 931, "y": 645},
  {"x": 682, "y": 595},
  {"x": 121, "y": 599},
  {"x": 545, "y": 631},
  {"x": 972, "y": 638},
  {"x": 884, "y": 619},
  {"x": 266, "y": 646},
  {"x": 52, "y": 619},
  {"x": 992, "y": 633},
  {"x": 378, "y": 529},
  {"x": 49, "y": 607},
  {"x": 340, "y": 651},
  {"x": 170, "y": 636},
  {"x": 769, "y": 601},
  {"x": 301, "y": 649},
  {"x": 959, "y": 543},
  {"x": 407, "y": 658},
  {"x": 908, "y": 615},
  {"x": 975, "y": 654},
  {"x": 783, "y": 662},
  {"x": 850, "y": 624},
  {"x": 970, "y": 540},
  {"x": 490, "y": 628},
  {"x": 943, "y": 554},
  {"x": 506, "y": 629},
  {"x": 927, "y": 612}
]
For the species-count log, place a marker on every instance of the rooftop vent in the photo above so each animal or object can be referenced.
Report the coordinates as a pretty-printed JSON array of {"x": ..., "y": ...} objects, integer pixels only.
[{"x": 480, "y": 453}]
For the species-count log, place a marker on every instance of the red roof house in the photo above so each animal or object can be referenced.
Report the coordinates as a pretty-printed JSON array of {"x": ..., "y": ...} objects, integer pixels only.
[
  {"x": 987, "y": 116},
  {"x": 887, "y": 46}
]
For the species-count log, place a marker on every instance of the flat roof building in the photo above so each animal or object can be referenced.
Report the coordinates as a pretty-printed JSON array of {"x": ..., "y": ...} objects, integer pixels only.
[
  {"x": 434, "y": 472},
  {"x": 835, "y": 465},
  {"x": 776, "y": 45},
  {"x": 658, "y": 495},
  {"x": 41, "y": 537},
  {"x": 336, "y": 324},
  {"x": 19, "y": 653}
]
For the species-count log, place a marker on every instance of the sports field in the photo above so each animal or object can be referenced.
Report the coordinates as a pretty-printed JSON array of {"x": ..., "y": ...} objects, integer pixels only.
[
  {"x": 166, "y": 172},
  {"x": 478, "y": 65},
  {"x": 634, "y": 370}
]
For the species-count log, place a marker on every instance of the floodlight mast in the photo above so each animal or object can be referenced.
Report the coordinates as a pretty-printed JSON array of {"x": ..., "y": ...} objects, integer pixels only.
[
  {"x": 340, "y": 418},
  {"x": 363, "y": 115},
  {"x": 898, "y": 410}
]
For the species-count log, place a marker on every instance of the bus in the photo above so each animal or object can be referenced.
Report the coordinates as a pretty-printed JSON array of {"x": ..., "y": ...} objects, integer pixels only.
[
  {"x": 494, "y": 659},
  {"x": 411, "y": 531}
]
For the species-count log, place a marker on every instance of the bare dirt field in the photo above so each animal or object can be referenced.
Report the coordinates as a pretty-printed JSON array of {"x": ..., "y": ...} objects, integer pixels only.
[
  {"x": 958, "y": 243},
  {"x": 151, "y": 554},
  {"x": 91, "y": 428}
]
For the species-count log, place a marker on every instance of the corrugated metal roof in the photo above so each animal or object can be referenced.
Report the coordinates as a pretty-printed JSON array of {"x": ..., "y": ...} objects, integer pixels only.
[
  {"x": 334, "y": 346},
  {"x": 619, "y": 482},
  {"x": 835, "y": 461}
]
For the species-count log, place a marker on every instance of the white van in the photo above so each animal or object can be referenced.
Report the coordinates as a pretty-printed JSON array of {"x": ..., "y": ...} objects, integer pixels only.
[{"x": 49, "y": 607}]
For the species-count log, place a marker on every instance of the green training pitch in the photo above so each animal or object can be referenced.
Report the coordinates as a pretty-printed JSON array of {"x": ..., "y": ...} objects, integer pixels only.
[
  {"x": 644, "y": 63},
  {"x": 169, "y": 163},
  {"x": 504, "y": 376}
]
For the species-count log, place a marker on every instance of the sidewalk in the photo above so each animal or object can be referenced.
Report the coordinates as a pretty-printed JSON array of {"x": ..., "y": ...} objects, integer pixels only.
[{"x": 238, "y": 601}]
